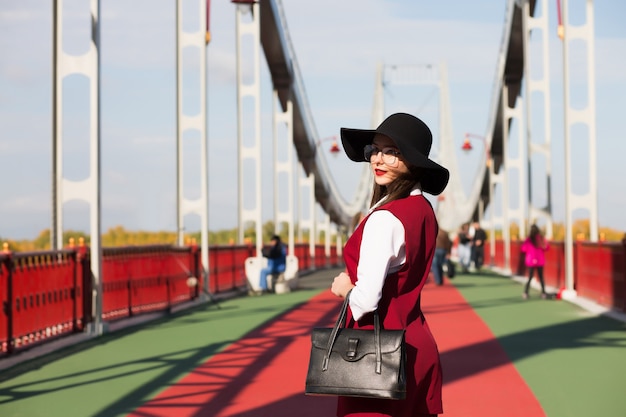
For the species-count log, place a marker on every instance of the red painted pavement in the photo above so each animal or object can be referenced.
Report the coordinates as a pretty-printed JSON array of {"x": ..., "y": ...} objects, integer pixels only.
[
  {"x": 263, "y": 374},
  {"x": 479, "y": 379},
  {"x": 260, "y": 375}
]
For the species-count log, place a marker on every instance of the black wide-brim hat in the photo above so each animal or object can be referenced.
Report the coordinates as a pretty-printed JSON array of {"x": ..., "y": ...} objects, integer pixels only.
[{"x": 414, "y": 140}]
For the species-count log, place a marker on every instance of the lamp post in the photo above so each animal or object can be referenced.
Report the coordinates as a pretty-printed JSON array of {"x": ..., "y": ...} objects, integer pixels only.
[
  {"x": 334, "y": 150},
  {"x": 334, "y": 147},
  {"x": 309, "y": 183},
  {"x": 467, "y": 147}
]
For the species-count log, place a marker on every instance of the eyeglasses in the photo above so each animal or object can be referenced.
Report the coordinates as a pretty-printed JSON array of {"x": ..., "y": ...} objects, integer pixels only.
[{"x": 390, "y": 155}]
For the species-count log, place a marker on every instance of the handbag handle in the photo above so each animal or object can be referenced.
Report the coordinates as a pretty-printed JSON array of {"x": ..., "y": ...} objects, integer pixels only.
[{"x": 340, "y": 323}]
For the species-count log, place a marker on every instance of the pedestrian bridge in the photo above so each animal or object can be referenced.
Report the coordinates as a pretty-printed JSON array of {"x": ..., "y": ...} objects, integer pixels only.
[
  {"x": 79, "y": 289},
  {"x": 248, "y": 356}
]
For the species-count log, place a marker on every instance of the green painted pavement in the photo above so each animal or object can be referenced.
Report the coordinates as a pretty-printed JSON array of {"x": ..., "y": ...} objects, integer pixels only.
[
  {"x": 573, "y": 361},
  {"x": 114, "y": 374}
]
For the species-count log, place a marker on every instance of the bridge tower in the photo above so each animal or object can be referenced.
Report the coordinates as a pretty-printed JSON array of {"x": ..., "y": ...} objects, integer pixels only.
[
  {"x": 537, "y": 93},
  {"x": 284, "y": 174},
  {"x": 580, "y": 124},
  {"x": 87, "y": 190},
  {"x": 190, "y": 127},
  {"x": 511, "y": 110},
  {"x": 248, "y": 32},
  {"x": 452, "y": 206},
  {"x": 284, "y": 169}
]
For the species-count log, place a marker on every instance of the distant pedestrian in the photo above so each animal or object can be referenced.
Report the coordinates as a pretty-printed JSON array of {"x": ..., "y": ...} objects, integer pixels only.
[
  {"x": 464, "y": 247},
  {"x": 535, "y": 247},
  {"x": 478, "y": 246},
  {"x": 443, "y": 247},
  {"x": 276, "y": 255}
]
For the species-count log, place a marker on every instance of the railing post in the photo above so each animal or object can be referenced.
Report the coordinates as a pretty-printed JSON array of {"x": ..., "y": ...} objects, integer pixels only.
[
  {"x": 234, "y": 267},
  {"x": 622, "y": 300},
  {"x": 75, "y": 290},
  {"x": 168, "y": 291},
  {"x": 83, "y": 263},
  {"x": 196, "y": 271},
  {"x": 8, "y": 305}
]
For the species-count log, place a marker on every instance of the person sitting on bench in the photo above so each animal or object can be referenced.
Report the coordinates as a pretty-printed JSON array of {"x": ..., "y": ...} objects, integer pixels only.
[{"x": 276, "y": 255}]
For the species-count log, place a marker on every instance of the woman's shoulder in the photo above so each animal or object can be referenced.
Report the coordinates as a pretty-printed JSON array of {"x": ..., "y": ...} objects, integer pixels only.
[
  {"x": 381, "y": 214},
  {"x": 410, "y": 210},
  {"x": 406, "y": 203}
]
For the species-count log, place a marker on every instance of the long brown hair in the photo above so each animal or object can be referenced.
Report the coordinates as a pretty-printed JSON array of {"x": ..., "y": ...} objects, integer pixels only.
[
  {"x": 400, "y": 188},
  {"x": 536, "y": 238}
]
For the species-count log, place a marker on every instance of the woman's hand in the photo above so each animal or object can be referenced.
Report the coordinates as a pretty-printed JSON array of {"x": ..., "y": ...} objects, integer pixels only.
[{"x": 341, "y": 285}]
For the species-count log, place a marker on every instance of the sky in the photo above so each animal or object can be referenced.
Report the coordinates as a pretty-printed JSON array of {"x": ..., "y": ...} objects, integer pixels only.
[{"x": 338, "y": 47}]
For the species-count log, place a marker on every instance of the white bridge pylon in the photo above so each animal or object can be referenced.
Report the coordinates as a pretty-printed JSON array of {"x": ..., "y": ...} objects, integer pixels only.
[
  {"x": 453, "y": 207},
  {"x": 491, "y": 183},
  {"x": 295, "y": 116}
]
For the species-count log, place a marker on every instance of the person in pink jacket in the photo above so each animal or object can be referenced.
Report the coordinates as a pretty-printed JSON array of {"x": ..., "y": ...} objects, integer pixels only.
[{"x": 535, "y": 247}]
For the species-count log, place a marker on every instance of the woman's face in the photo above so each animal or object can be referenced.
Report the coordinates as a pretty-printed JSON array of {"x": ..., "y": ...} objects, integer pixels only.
[{"x": 385, "y": 174}]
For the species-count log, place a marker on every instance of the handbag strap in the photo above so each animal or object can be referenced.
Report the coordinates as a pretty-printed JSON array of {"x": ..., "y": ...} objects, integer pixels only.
[
  {"x": 379, "y": 355},
  {"x": 333, "y": 334},
  {"x": 341, "y": 323}
]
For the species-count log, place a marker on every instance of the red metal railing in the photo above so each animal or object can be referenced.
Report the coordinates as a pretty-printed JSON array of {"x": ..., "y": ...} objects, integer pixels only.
[
  {"x": 227, "y": 267},
  {"x": 600, "y": 273},
  {"x": 320, "y": 260},
  {"x": 46, "y": 295},
  {"x": 146, "y": 278},
  {"x": 599, "y": 269},
  {"x": 43, "y": 296}
]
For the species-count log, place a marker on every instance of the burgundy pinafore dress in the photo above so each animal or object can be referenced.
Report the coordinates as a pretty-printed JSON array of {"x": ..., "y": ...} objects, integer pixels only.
[{"x": 399, "y": 308}]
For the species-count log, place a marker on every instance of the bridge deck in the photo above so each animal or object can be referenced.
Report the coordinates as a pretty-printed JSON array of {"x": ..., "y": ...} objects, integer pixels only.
[{"x": 501, "y": 356}]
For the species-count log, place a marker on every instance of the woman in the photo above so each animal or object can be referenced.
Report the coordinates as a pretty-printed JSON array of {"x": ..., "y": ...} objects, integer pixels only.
[
  {"x": 535, "y": 247},
  {"x": 276, "y": 255},
  {"x": 464, "y": 249},
  {"x": 388, "y": 257},
  {"x": 443, "y": 247}
]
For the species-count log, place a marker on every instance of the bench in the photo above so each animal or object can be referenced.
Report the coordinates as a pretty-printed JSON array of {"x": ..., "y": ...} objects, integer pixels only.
[{"x": 279, "y": 283}]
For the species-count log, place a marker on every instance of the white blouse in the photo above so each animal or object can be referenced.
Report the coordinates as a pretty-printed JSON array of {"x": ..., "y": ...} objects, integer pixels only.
[{"x": 382, "y": 253}]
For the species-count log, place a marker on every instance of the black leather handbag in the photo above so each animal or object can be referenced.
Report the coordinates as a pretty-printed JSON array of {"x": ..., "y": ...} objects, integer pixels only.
[{"x": 357, "y": 362}]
